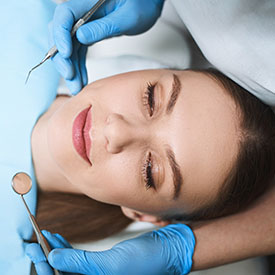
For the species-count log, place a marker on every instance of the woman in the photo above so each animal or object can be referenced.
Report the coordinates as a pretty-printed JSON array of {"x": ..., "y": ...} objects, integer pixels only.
[
  {"x": 116, "y": 146},
  {"x": 161, "y": 142},
  {"x": 120, "y": 132},
  {"x": 220, "y": 29},
  {"x": 223, "y": 151}
]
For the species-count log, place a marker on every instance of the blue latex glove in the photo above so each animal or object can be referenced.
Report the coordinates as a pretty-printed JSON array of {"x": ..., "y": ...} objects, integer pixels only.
[
  {"x": 168, "y": 250},
  {"x": 114, "y": 18}
]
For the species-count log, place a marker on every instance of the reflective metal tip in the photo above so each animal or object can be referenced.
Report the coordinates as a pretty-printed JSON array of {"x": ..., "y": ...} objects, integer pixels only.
[
  {"x": 44, "y": 59},
  {"x": 29, "y": 73}
]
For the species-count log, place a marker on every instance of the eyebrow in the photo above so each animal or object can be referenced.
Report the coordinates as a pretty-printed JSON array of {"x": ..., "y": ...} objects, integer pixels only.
[
  {"x": 177, "y": 176},
  {"x": 176, "y": 88}
]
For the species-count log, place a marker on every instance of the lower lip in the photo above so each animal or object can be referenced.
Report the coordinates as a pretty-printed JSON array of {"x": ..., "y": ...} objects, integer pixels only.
[{"x": 81, "y": 138}]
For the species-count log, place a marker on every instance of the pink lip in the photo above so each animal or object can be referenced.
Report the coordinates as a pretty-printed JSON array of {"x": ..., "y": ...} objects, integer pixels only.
[{"x": 80, "y": 133}]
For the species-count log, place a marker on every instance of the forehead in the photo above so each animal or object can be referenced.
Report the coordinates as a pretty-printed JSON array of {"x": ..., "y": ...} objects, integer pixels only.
[{"x": 206, "y": 143}]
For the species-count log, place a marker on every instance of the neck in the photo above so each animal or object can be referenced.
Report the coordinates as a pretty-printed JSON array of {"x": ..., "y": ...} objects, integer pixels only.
[{"x": 48, "y": 175}]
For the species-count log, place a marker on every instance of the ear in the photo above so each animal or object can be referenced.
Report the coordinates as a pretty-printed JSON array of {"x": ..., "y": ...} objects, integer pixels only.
[{"x": 142, "y": 217}]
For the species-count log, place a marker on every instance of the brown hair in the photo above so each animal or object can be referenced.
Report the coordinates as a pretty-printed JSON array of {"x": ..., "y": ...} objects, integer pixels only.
[
  {"x": 78, "y": 218},
  {"x": 254, "y": 168}
]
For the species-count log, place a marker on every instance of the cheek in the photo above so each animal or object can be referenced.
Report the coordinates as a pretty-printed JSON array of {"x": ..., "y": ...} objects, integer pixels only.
[
  {"x": 59, "y": 141},
  {"x": 124, "y": 103},
  {"x": 116, "y": 94},
  {"x": 116, "y": 182},
  {"x": 113, "y": 180}
]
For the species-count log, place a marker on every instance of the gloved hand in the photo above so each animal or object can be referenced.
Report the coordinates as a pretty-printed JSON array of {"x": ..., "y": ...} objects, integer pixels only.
[
  {"x": 114, "y": 18},
  {"x": 168, "y": 250}
]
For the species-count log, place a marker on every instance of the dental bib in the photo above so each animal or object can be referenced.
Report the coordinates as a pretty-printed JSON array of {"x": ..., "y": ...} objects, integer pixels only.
[{"x": 24, "y": 42}]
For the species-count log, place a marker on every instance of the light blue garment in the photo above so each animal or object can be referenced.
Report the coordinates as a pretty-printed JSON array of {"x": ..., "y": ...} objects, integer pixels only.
[
  {"x": 23, "y": 45},
  {"x": 238, "y": 38}
]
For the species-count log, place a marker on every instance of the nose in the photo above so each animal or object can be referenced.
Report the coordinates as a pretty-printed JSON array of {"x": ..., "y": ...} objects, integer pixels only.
[{"x": 120, "y": 133}]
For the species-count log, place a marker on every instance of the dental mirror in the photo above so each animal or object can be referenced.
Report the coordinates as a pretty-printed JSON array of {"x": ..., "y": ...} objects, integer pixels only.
[{"x": 21, "y": 183}]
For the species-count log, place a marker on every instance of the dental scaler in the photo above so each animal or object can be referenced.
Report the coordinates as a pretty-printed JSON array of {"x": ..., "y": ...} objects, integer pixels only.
[{"x": 76, "y": 26}]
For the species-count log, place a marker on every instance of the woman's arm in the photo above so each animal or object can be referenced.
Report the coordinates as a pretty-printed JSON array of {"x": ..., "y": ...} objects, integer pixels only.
[{"x": 247, "y": 234}]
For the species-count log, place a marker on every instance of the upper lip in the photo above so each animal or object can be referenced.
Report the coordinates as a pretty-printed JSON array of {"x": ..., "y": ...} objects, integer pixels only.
[
  {"x": 80, "y": 132},
  {"x": 86, "y": 135}
]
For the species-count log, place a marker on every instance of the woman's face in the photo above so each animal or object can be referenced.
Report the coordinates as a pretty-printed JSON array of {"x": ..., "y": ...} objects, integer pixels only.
[{"x": 159, "y": 141}]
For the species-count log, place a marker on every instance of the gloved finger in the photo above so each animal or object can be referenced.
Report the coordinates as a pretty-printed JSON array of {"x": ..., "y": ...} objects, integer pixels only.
[
  {"x": 97, "y": 30},
  {"x": 64, "y": 66},
  {"x": 110, "y": 25},
  {"x": 35, "y": 253},
  {"x": 43, "y": 268},
  {"x": 82, "y": 64},
  {"x": 63, "y": 21},
  {"x": 107, "y": 26},
  {"x": 64, "y": 242},
  {"x": 56, "y": 240},
  {"x": 75, "y": 84},
  {"x": 74, "y": 260},
  {"x": 66, "y": 14}
]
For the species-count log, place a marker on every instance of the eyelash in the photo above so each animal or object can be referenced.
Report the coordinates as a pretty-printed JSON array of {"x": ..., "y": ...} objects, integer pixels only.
[
  {"x": 149, "y": 98},
  {"x": 147, "y": 173},
  {"x": 149, "y": 103}
]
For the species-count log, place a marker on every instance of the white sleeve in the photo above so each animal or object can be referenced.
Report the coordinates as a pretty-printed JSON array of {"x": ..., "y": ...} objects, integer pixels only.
[{"x": 238, "y": 38}]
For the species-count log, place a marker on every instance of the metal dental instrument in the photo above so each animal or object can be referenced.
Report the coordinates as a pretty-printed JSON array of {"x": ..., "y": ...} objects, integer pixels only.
[
  {"x": 76, "y": 26},
  {"x": 22, "y": 184}
]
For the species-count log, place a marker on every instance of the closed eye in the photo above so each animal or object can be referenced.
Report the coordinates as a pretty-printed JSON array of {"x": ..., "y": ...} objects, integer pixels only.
[
  {"x": 148, "y": 98},
  {"x": 147, "y": 172}
]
